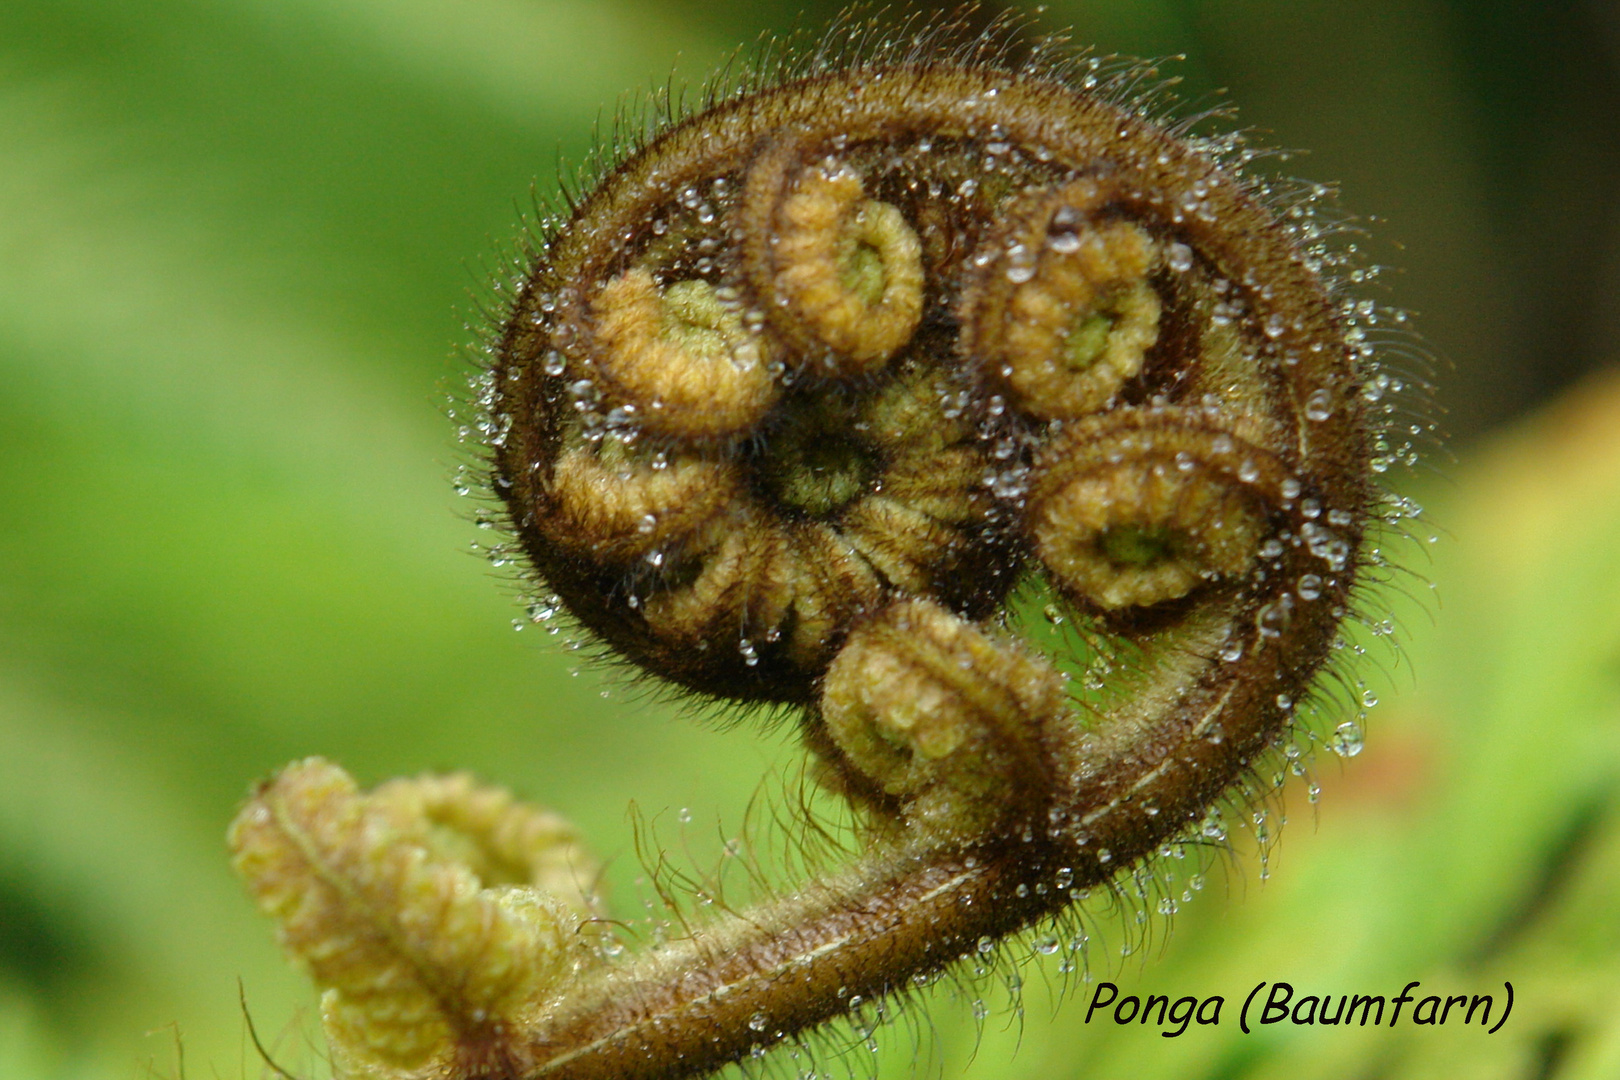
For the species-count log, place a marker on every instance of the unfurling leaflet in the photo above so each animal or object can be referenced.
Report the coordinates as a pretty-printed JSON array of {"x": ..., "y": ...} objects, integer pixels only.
[
  {"x": 819, "y": 399},
  {"x": 436, "y": 914}
]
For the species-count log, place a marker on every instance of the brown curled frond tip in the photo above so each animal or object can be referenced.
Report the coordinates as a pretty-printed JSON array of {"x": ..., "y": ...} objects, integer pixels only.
[{"x": 1013, "y": 434}]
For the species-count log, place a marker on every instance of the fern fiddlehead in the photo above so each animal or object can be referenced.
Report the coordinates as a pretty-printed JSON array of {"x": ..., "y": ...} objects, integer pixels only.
[{"x": 813, "y": 401}]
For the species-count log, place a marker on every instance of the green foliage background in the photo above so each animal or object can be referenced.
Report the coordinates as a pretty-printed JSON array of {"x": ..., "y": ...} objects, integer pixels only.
[{"x": 239, "y": 240}]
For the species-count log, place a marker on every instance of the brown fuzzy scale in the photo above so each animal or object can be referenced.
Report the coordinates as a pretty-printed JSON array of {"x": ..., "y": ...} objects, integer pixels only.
[{"x": 829, "y": 542}]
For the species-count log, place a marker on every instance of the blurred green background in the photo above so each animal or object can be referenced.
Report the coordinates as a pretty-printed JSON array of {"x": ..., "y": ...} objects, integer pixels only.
[{"x": 240, "y": 241}]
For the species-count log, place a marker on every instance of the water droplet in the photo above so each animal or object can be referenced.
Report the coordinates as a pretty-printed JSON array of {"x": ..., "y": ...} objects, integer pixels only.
[
  {"x": 1346, "y": 740},
  {"x": 1326, "y": 545},
  {"x": 555, "y": 363},
  {"x": 1179, "y": 257},
  {"x": 1066, "y": 243},
  {"x": 757, "y": 1022},
  {"x": 1272, "y": 619},
  {"x": 1310, "y": 587},
  {"x": 1319, "y": 406},
  {"x": 1046, "y": 944}
]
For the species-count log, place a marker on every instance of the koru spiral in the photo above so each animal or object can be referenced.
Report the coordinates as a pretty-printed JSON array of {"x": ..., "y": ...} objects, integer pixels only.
[
  {"x": 813, "y": 387},
  {"x": 1020, "y": 445},
  {"x": 821, "y": 392}
]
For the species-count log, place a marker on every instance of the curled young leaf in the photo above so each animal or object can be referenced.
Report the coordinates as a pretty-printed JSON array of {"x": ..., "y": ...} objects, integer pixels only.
[{"x": 811, "y": 401}]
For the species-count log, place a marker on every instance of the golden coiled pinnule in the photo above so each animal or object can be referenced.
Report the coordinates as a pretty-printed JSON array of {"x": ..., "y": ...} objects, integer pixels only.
[
  {"x": 680, "y": 356},
  {"x": 1143, "y": 506},
  {"x": 1060, "y": 308},
  {"x": 840, "y": 274}
]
